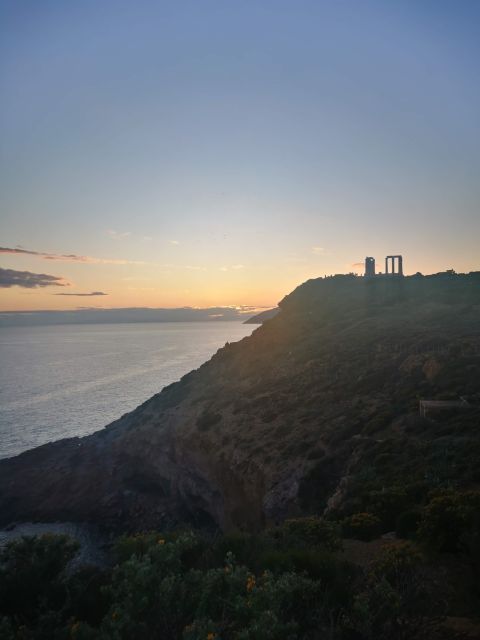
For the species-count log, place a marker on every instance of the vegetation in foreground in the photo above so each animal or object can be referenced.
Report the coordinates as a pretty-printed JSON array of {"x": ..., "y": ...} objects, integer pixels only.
[
  {"x": 329, "y": 387},
  {"x": 299, "y": 580}
]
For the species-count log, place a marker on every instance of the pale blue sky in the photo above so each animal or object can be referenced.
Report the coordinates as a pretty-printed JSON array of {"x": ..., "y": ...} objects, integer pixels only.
[{"x": 235, "y": 148}]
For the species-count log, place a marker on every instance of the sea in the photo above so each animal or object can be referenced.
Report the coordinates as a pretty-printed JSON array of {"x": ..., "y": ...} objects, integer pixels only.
[{"x": 71, "y": 380}]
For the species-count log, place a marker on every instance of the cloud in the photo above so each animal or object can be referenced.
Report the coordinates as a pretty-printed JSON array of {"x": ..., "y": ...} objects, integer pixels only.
[
  {"x": 358, "y": 265},
  {"x": 175, "y": 242},
  {"x": 68, "y": 257},
  {"x": 118, "y": 234},
  {"x": 28, "y": 280},
  {"x": 318, "y": 251},
  {"x": 93, "y": 293}
]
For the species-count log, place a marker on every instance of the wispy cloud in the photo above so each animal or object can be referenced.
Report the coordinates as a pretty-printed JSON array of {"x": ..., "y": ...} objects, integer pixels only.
[
  {"x": 118, "y": 235},
  {"x": 319, "y": 251},
  {"x": 65, "y": 257},
  {"x": 28, "y": 280},
  {"x": 81, "y": 295},
  {"x": 175, "y": 242},
  {"x": 358, "y": 265}
]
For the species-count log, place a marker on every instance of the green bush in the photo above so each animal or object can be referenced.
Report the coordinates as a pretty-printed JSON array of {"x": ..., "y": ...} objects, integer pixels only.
[
  {"x": 31, "y": 576},
  {"x": 396, "y": 601},
  {"x": 288, "y": 586},
  {"x": 155, "y": 595},
  {"x": 87, "y": 595},
  {"x": 407, "y": 523},
  {"x": 449, "y": 519},
  {"x": 396, "y": 561},
  {"x": 361, "y": 526},
  {"x": 386, "y": 504},
  {"x": 188, "y": 553},
  {"x": 246, "y": 548},
  {"x": 308, "y": 532}
]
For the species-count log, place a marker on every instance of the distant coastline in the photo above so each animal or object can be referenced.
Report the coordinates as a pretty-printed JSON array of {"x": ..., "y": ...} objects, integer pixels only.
[
  {"x": 127, "y": 315},
  {"x": 262, "y": 317}
]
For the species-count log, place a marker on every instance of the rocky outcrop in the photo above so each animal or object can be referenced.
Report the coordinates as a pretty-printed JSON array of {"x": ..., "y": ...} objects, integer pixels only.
[{"x": 270, "y": 426}]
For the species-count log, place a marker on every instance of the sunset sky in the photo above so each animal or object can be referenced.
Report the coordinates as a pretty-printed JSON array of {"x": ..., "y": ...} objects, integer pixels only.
[{"x": 209, "y": 153}]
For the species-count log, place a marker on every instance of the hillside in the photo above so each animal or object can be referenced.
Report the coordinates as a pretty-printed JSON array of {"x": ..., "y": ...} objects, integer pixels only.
[
  {"x": 263, "y": 316},
  {"x": 316, "y": 412}
]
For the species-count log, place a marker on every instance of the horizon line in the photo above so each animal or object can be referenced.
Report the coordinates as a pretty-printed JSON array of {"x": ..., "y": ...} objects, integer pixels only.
[{"x": 239, "y": 308}]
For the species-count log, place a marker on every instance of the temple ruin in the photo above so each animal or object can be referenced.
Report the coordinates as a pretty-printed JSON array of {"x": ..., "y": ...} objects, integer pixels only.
[{"x": 393, "y": 267}]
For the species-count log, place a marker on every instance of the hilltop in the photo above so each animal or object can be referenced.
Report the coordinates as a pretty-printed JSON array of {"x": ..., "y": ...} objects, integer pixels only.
[{"x": 310, "y": 414}]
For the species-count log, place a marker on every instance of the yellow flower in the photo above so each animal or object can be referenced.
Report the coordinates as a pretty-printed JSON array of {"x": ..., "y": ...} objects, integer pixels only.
[
  {"x": 250, "y": 583},
  {"x": 211, "y": 636},
  {"x": 161, "y": 541},
  {"x": 114, "y": 615}
]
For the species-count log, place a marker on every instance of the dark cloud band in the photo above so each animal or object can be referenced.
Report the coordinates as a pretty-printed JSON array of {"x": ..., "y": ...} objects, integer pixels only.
[
  {"x": 65, "y": 257},
  {"x": 92, "y": 293},
  {"x": 29, "y": 280}
]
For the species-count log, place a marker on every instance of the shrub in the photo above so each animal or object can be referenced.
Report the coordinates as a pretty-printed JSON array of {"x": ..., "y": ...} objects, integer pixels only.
[
  {"x": 155, "y": 595},
  {"x": 87, "y": 595},
  {"x": 449, "y": 519},
  {"x": 153, "y": 592},
  {"x": 245, "y": 547},
  {"x": 407, "y": 523},
  {"x": 396, "y": 601},
  {"x": 386, "y": 504},
  {"x": 381, "y": 419},
  {"x": 31, "y": 572},
  {"x": 308, "y": 532},
  {"x": 361, "y": 526},
  {"x": 7, "y": 631},
  {"x": 396, "y": 561}
]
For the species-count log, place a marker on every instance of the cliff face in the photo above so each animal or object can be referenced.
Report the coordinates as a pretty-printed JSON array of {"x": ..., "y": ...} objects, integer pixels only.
[{"x": 281, "y": 423}]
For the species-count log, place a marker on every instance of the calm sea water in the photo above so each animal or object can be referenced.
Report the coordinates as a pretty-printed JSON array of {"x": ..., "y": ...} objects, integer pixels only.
[{"x": 71, "y": 380}]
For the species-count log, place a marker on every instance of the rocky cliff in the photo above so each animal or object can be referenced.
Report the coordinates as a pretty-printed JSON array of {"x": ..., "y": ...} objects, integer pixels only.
[{"x": 289, "y": 420}]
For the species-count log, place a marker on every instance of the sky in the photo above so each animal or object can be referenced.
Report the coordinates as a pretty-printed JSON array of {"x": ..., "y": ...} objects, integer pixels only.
[{"x": 219, "y": 153}]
